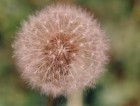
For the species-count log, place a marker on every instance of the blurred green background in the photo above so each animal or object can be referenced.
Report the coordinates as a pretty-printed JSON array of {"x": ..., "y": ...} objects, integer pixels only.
[{"x": 120, "y": 86}]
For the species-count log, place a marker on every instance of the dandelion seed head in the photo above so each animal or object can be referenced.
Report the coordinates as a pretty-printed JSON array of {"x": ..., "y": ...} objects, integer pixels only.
[{"x": 61, "y": 49}]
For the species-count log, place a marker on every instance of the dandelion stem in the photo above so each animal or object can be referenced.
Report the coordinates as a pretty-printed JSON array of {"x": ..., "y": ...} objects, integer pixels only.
[
  {"x": 50, "y": 101},
  {"x": 75, "y": 99}
]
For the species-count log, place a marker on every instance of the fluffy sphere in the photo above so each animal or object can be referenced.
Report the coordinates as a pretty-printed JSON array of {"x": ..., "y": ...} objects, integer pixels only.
[{"x": 61, "y": 49}]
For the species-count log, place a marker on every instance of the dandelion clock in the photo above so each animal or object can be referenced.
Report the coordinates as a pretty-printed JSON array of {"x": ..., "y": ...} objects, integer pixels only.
[{"x": 60, "y": 49}]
